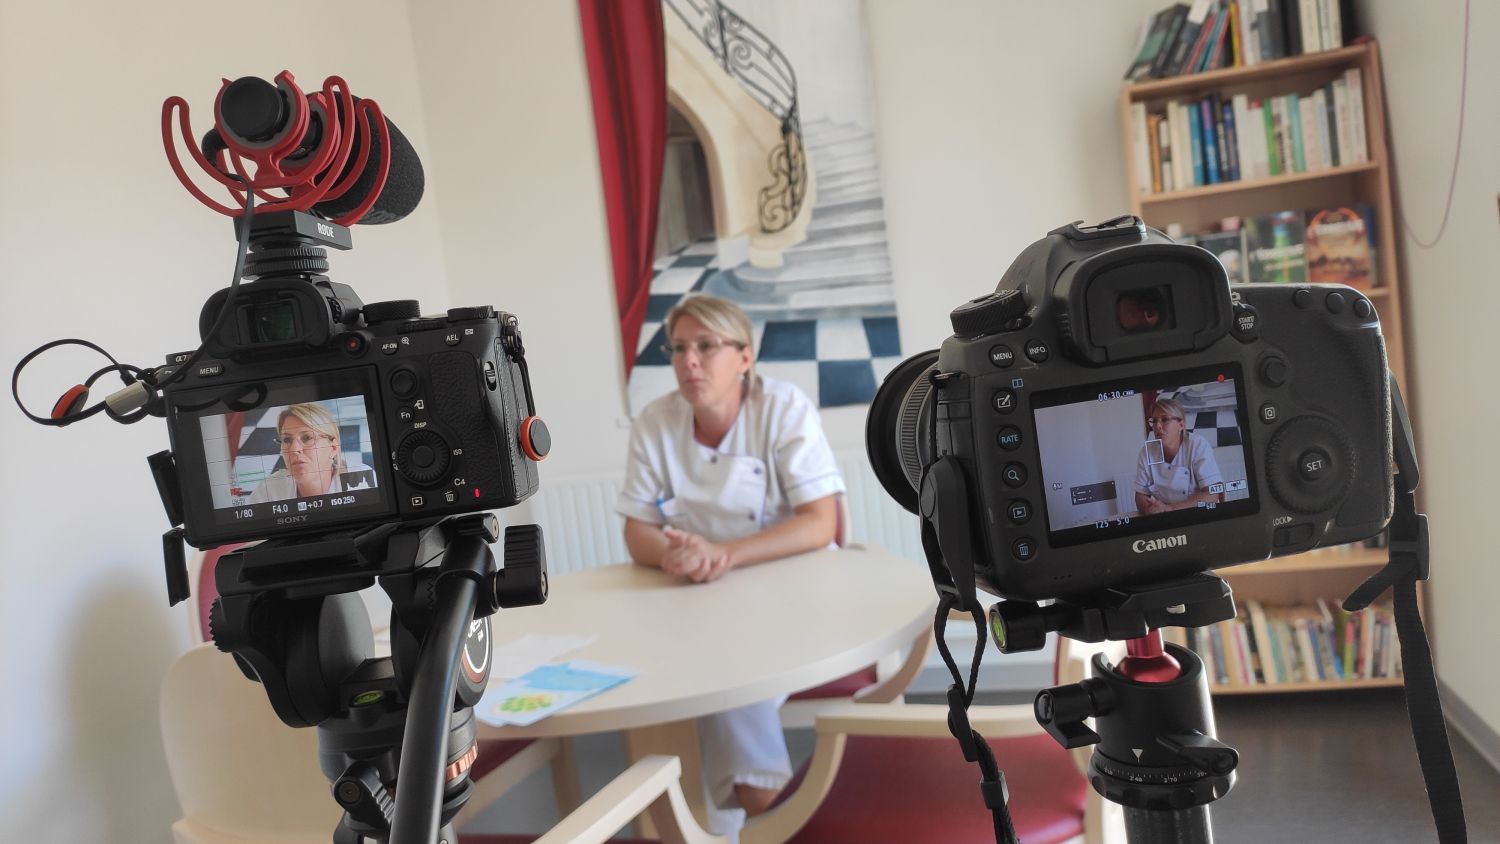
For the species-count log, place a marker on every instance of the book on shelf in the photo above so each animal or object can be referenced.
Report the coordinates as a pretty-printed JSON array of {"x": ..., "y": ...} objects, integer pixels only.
[
  {"x": 1274, "y": 247},
  {"x": 1231, "y": 138},
  {"x": 1158, "y": 34},
  {"x": 1206, "y": 35},
  {"x": 1228, "y": 247},
  {"x": 1276, "y": 645},
  {"x": 1339, "y": 246}
]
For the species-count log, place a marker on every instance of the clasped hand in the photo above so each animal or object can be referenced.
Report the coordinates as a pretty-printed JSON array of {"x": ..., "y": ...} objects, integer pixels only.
[{"x": 692, "y": 557}]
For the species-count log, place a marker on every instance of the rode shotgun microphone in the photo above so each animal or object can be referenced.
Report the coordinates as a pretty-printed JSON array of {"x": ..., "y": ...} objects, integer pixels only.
[{"x": 329, "y": 153}]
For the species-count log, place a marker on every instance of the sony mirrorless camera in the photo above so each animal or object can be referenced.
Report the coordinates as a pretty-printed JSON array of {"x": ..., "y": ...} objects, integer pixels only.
[
  {"x": 409, "y": 417},
  {"x": 1054, "y": 483}
]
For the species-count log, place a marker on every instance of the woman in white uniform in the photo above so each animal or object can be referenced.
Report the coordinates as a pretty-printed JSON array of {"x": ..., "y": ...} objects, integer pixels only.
[
  {"x": 730, "y": 470},
  {"x": 1187, "y": 470},
  {"x": 308, "y": 437}
]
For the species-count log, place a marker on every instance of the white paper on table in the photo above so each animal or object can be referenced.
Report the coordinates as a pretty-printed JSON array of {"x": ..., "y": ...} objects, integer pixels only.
[
  {"x": 548, "y": 689},
  {"x": 517, "y": 657}
]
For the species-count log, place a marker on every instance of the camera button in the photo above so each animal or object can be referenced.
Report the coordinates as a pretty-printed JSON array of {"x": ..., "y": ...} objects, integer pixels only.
[
  {"x": 1303, "y": 298},
  {"x": 1014, "y": 475},
  {"x": 390, "y": 347},
  {"x": 1004, "y": 401},
  {"x": 1273, "y": 371},
  {"x": 404, "y": 383},
  {"x": 1037, "y": 351},
  {"x": 1019, "y": 511},
  {"x": 1335, "y": 302},
  {"x": 1246, "y": 326},
  {"x": 1002, "y": 355},
  {"x": 1009, "y": 438},
  {"x": 405, "y": 414},
  {"x": 354, "y": 344},
  {"x": 1292, "y": 535},
  {"x": 418, "y": 501},
  {"x": 210, "y": 370},
  {"x": 452, "y": 338},
  {"x": 1363, "y": 309},
  {"x": 1314, "y": 465},
  {"x": 1023, "y": 549},
  {"x": 1269, "y": 413}
]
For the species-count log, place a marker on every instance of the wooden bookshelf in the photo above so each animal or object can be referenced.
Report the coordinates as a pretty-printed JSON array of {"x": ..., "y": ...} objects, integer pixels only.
[{"x": 1334, "y": 572}]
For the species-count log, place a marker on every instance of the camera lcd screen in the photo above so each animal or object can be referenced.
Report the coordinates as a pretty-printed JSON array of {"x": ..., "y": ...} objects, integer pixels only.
[
  {"x": 284, "y": 454},
  {"x": 1160, "y": 451}
]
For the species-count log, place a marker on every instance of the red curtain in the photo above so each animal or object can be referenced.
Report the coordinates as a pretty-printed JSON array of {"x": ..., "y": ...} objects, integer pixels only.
[{"x": 626, "y": 49}]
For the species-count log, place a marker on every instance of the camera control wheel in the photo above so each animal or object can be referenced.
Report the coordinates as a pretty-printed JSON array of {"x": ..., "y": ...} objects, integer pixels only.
[
  {"x": 1311, "y": 465},
  {"x": 423, "y": 457}
]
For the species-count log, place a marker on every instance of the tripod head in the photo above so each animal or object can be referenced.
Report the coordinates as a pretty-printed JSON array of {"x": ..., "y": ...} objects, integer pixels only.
[
  {"x": 288, "y": 613},
  {"x": 1156, "y": 748}
]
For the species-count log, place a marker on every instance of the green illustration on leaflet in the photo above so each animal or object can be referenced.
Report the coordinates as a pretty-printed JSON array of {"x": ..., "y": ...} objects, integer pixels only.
[{"x": 545, "y": 690}]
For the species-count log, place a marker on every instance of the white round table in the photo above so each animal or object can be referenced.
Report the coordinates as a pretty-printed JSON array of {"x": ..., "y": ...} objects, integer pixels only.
[{"x": 755, "y": 634}]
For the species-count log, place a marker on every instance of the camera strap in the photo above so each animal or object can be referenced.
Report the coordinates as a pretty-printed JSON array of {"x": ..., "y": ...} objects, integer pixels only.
[
  {"x": 960, "y": 697},
  {"x": 1408, "y": 564}
]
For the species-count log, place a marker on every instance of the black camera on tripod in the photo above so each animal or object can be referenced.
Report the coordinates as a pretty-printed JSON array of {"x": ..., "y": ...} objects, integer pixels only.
[
  {"x": 1109, "y": 425},
  {"x": 359, "y": 443},
  {"x": 1034, "y": 422},
  {"x": 317, "y": 412}
]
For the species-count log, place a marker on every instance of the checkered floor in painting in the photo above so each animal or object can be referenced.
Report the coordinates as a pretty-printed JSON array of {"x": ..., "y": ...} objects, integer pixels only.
[{"x": 834, "y": 361}]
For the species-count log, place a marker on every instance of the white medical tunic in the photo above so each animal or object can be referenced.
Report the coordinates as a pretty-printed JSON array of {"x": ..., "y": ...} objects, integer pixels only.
[
  {"x": 1192, "y": 470},
  {"x": 773, "y": 459},
  {"x": 280, "y": 485}
]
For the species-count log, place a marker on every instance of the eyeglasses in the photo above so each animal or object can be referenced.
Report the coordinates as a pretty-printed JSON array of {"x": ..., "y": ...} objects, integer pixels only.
[
  {"x": 1152, "y": 420},
  {"x": 706, "y": 348},
  {"x": 306, "y": 439}
]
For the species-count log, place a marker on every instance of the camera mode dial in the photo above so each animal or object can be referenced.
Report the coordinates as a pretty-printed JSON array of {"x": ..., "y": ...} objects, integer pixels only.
[
  {"x": 392, "y": 310},
  {"x": 423, "y": 457},
  {"x": 988, "y": 314},
  {"x": 1310, "y": 464}
]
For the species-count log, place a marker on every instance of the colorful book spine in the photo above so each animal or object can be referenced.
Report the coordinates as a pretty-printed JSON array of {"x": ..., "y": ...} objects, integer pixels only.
[{"x": 1206, "y": 122}]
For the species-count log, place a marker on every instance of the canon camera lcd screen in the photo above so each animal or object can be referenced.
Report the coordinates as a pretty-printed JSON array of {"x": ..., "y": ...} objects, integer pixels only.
[
  {"x": 288, "y": 453},
  {"x": 1159, "y": 451}
]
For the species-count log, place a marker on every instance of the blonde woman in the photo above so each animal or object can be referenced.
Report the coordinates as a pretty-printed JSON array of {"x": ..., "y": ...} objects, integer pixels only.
[
  {"x": 732, "y": 469},
  {"x": 1187, "y": 470},
  {"x": 308, "y": 438}
]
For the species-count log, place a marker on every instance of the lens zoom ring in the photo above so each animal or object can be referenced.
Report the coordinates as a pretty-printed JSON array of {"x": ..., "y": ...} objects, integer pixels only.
[{"x": 908, "y": 430}]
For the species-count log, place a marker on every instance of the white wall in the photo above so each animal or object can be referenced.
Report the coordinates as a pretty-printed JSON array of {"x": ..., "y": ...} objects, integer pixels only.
[
  {"x": 98, "y": 240},
  {"x": 1421, "y": 46},
  {"x": 996, "y": 122}
]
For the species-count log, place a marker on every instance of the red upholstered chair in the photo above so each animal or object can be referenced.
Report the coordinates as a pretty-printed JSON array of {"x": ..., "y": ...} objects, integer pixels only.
[
  {"x": 884, "y": 682},
  {"x": 501, "y": 763},
  {"x": 893, "y": 772}
]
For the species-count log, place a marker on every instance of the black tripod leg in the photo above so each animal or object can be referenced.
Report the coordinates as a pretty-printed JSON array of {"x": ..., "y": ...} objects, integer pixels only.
[{"x": 1173, "y": 826}]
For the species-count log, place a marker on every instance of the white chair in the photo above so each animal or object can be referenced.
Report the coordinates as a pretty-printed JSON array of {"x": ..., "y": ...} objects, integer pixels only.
[
  {"x": 502, "y": 763},
  {"x": 902, "y": 758},
  {"x": 243, "y": 776}
]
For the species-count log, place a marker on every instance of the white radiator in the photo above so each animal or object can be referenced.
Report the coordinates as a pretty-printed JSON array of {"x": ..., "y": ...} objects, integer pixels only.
[{"x": 582, "y": 530}]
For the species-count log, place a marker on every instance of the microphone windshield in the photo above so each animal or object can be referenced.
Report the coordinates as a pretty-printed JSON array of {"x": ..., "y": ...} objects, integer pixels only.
[{"x": 403, "y": 185}]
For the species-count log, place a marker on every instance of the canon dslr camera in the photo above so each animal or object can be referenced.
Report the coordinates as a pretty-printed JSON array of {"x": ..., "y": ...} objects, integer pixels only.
[
  {"x": 1116, "y": 413},
  {"x": 312, "y": 411}
]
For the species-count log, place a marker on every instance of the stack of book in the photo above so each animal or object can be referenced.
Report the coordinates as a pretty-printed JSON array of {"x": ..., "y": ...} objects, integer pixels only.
[
  {"x": 1210, "y": 34},
  {"x": 1270, "y": 646},
  {"x": 1229, "y": 138},
  {"x": 1335, "y": 245}
]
